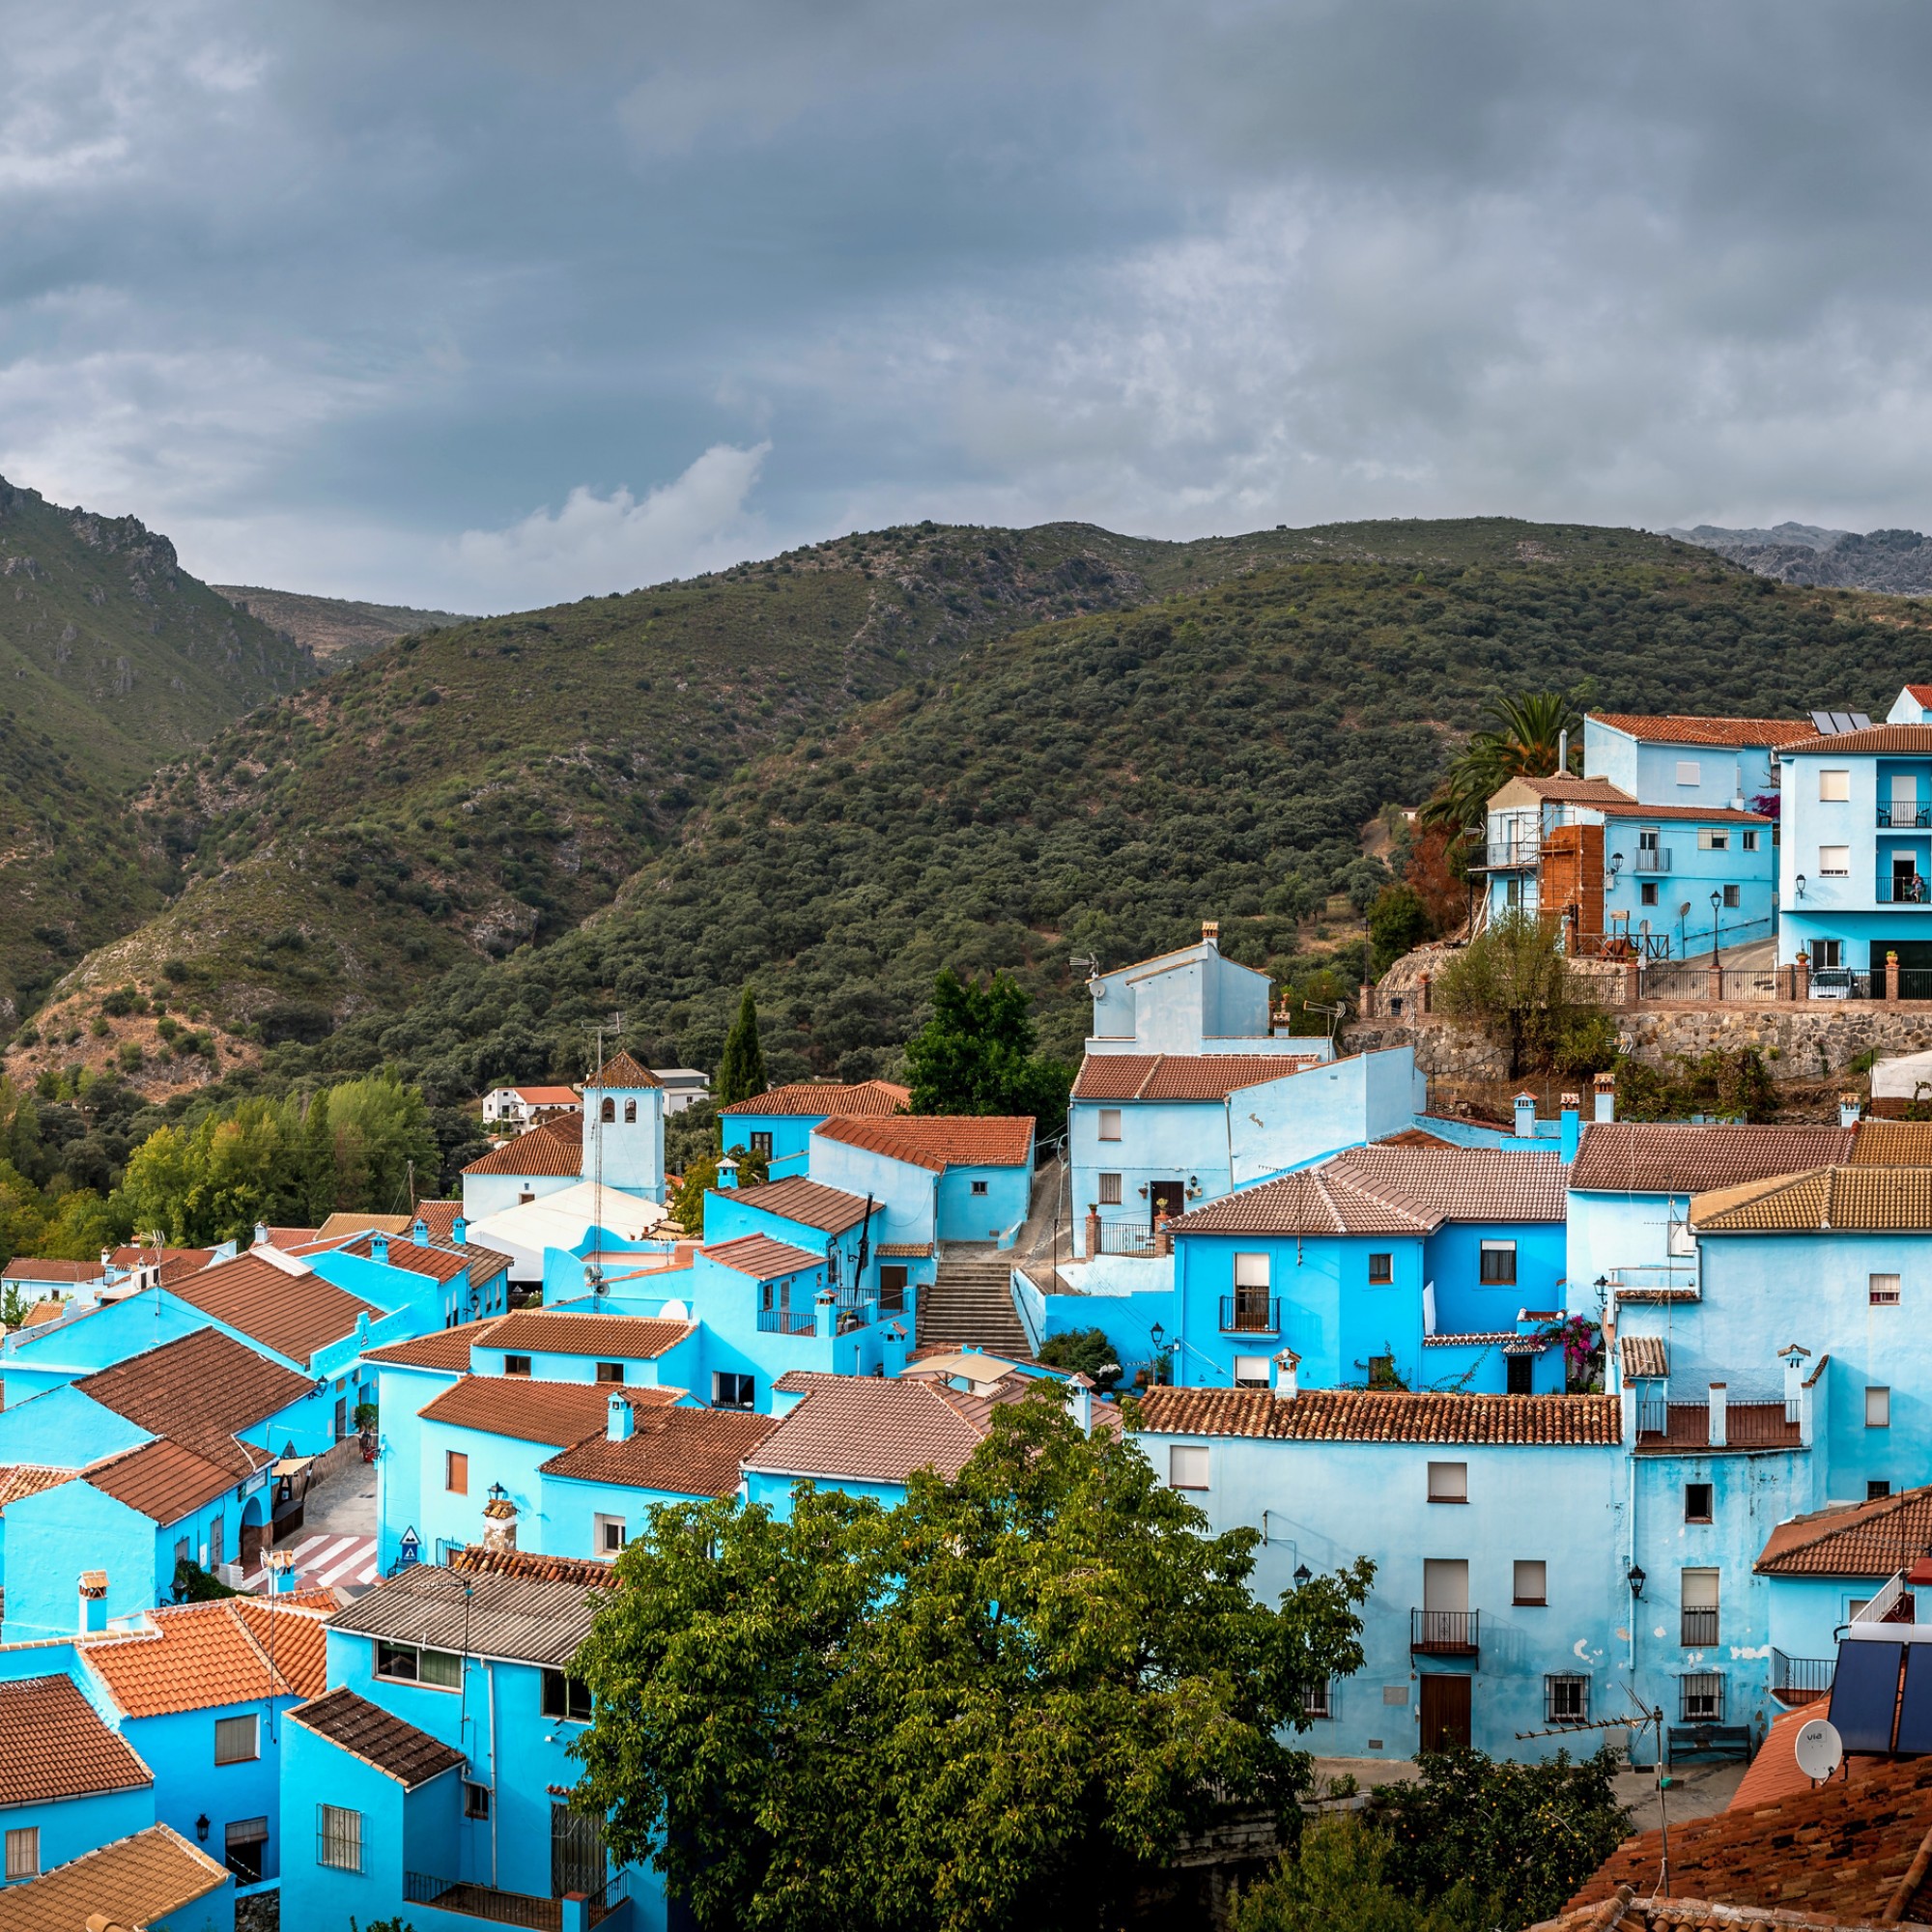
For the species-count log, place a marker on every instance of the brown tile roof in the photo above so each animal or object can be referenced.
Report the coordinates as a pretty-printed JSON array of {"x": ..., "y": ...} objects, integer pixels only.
[
  {"x": 1180, "y": 1076},
  {"x": 441, "y": 1261},
  {"x": 1911, "y": 740},
  {"x": 1414, "y": 1137},
  {"x": 1892, "y": 1144},
  {"x": 552, "y": 1147},
  {"x": 1679, "y": 729},
  {"x": 1855, "y": 1200},
  {"x": 634, "y": 1338},
  {"x": 485, "y": 1612},
  {"x": 1375, "y": 1415},
  {"x": 939, "y": 1141},
  {"x": 904, "y": 1251},
  {"x": 547, "y": 1096},
  {"x": 53, "y": 1744},
  {"x": 621, "y": 1070},
  {"x": 761, "y": 1256},
  {"x": 291, "y": 1238},
  {"x": 293, "y": 1314},
  {"x": 162, "y": 1480},
  {"x": 558, "y": 1414},
  {"x": 42, "y": 1313},
  {"x": 828, "y": 1097},
  {"x": 441, "y": 1348},
  {"x": 829, "y": 1210},
  {"x": 25, "y": 1267},
  {"x": 365, "y": 1730},
  {"x": 1839, "y": 1851},
  {"x": 136, "y": 1881},
  {"x": 1643, "y": 1357},
  {"x": 1641, "y": 1157},
  {"x": 29, "y": 1479},
  {"x": 478, "y": 1561},
  {"x": 140, "y": 1257},
  {"x": 688, "y": 1451},
  {"x": 874, "y": 1430},
  {"x": 1703, "y": 815},
  {"x": 1575, "y": 791},
  {"x": 202, "y": 1656},
  {"x": 201, "y": 1391},
  {"x": 1874, "y": 1539},
  {"x": 1386, "y": 1189}
]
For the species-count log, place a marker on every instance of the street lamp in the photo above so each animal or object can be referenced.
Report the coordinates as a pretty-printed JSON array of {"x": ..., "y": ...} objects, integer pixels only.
[
  {"x": 1302, "y": 1574},
  {"x": 1635, "y": 1580},
  {"x": 1716, "y": 899}
]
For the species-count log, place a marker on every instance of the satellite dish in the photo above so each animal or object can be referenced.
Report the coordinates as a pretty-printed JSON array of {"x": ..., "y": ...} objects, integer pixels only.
[
  {"x": 675, "y": 1311},
  {"x": 1817, "y": 1748}
]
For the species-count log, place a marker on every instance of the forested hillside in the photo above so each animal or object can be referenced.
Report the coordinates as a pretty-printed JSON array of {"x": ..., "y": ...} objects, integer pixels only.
[
  {"x": 112, "y": 660},
  {"x": 1099, "y": 785}
]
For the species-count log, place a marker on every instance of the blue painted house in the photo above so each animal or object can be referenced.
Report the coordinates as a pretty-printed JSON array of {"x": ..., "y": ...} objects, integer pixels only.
[
  {"x": 778, "y": 1123},
  {"x": 68, "y": 1783},
  {"x": 935, "y": 1178}
]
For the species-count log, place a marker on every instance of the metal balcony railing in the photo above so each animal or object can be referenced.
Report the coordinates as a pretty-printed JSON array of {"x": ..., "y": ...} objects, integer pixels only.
[
  {"x": 1657, "y": 861},
  {"x": 1126, "y": 1237},
  {"x": 1904, "y": 818},
  {"x": 786, "y": 1321},
  {"x": 1698, "y": 1627},
  {"x": 1903, "y": 889},
  {"x": 1444, "y": 1632},
  {"x": 1798, "y": 1680},
  {"x": 1250, "y": 1314}
]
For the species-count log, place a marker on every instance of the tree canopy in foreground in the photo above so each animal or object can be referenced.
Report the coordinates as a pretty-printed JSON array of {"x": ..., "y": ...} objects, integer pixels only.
[{"x": 997, "y": 1704}]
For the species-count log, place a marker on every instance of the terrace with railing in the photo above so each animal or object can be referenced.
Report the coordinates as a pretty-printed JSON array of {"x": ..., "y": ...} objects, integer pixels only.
[
  {"x": 1801, "y": 1680},
  {"x": 507, "y": 1907},
  {"x": 1445, "y": 1633}
]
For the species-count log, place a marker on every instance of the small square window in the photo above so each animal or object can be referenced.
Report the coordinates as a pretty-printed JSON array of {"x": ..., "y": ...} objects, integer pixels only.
[
  {"x": 1381, "y": 1270},
  {"x": 1251, "y": 1372},
  {"x": 1877, "y": 1490},
  {"x": 1186, "y": 1466},
  {"x": 516, "y": 1365},
  {"x": 607, "y": 1539},
  {"x": 396, "y": 1660},
  {"x": 735, "y": 1391},
  {"x": 1835, "y": 862},
  {"x": 1877, "y": 1409},
  {"x": 1829, "y": 952},
  {"x": 1696, "y": 1502},
  {"x": 565, "y": 1696},
  {"x": 1733, "y": 896},
  {"x": 1566, "y": 1698},
  {"x": 475, "y": 1800},
  {"x": 1317, "y": 1699},
  {"x": 1531, "y": 1581},
  {"x": 1701, "y": 1697},
  {"x": 1448, "y": 1481},
  {"x": 610, "y": 1372},
  {"x": 1714, "y": 841},
  {"x": 1690, "y": 772},
  {"x": 979, "y": 1187},
  {"x": 1499, "y": 1264},
  {"x": 442, "y": 1668},
  {"x": 24, "y": 1852},
  {"x": 456, "y": 1472},
  {"x": 762, "y": 1144},
  {"x": 1109, "y": 1190},
  {"x": 1646, "y": 893},
  {"x": 1110, "y": 1123},
  {"x": 235, "y": 1741},
  {"x": 1835, "y": 787},
  {"x": 1884, "y": 1291}
]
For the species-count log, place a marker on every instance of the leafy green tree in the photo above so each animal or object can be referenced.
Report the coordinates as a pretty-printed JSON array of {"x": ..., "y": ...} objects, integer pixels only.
[
  {"x": 741, "y": 1072},
  {"x": 1085, "y": 1351},
  {"x": 316, "y": 1179},
  {"x": 1338, "y": 1880},
  {"x": 1523, "y": 741},
  {"x": 1512, "y": 981},
  {"x": 997, "y": 1705},
  {"x": 1525, "y": 1835},
  {"x": 1398, "y": 923},
  {"x": 976, "y": 1055}
]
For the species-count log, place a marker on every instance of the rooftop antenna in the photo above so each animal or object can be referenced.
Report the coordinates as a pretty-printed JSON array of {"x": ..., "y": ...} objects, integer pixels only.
[{"x": 1337, "y": 1011}]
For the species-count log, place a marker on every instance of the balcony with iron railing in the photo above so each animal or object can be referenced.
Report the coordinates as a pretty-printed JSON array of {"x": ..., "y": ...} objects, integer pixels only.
[
  {"x": 1903, "y": 889},
  {"x": 474, "y": 1900},
  {"x": 1652, "y": 860},
  {"x": 1519, "y": 852},
  {"x": 1126, "y": 1237},
  {"x": 1895, "y": 817},
  {"x": 1801, "y": 1680},
  {"x": 1444, "y": 1632},
  {"x": 1250, "y": 1314},
  {"x": 788, "y": 1321}
]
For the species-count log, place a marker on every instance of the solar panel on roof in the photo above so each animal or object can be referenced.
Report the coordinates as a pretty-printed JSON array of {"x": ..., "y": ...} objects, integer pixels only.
[
  {"x": 1821, "y": 722},
  {"x": 1914, "y": 1706},
  {"x": 1865, "y": 1693}
]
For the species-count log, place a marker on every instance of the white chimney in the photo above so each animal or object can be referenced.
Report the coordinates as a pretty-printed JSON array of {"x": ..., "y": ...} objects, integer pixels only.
[
  {"x": 1849, "y": 1110},
  {"x": 1720, "y": 1395},
  {"x": 261, "y": 1234},
  {"x": 1287, "y": 1382},
  {"x": 1526, "y": 1117},
  {"x": 620, "y": 1422},
  {"x": 1080, "y": 1403},
  {"x": 1607, "y": 1097},
  {"x": 1210, "y": 933}
]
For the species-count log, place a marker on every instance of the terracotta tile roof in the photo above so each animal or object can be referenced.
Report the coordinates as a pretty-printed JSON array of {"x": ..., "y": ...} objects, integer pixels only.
[
  {"x": 1921, "y": 693},
  {"x": 440, "y": 1217},
  {"x": 547, "y": 1096},
  {"x": 203, "y": 1656},
  {"x": 1309, "y": 1202},
  {"x": 441, "y": 1348},
  {"x": 367, "y": 1731},
  {"x": 826, "y": 1098},
  {"x": 829, "y": 1210},
  {"x": 29, "y": 1479},
  {"x": 1702, "y": 815},
  {"x": 1641, "y": 1157},
  {"x": 477, "y": 1561},
  {"x": 558, "y": 1414},
  {"x": 25, "y": 1267},
  {"x": 1892, "y": 1144},
  {"x": 939, "y": 1141},
  {"x": 42, "y": 1313},
  {"x": 874, "y": 1430},
  {"x": 621, "y": 1070},
  {"x": 633, "y": 1338},
  {"x": 904, "y": 1251},
  {"x": 201, "y": 1391},
  {"x": 293, "y": 1314},
  {"x": 487, "y": 1612},
  {"x": 53, "y": 1744},
  {"x": 1874, "y": 1539},
  {"x": 761, "y": 1256},
  {"x": 1679, "y": 729},
  {"x": 689, "y": 1452},
  {"x": 1414, "y": 1137},
  {"x": 1856, "y": 1199},
  {"x": 1375, "y": 1415},
  {"x": 140, "y": 1257},
  {"x": 1180, "y": 1076},
  {"x": 162, "y": 1480},
  {"x": 553, "y": 1146},
  {"x": 1910, "y": 740},
  {"x": 133, "y": 1881},
  {"x": 1643, "y": 1357},
  {"x": 1839, "y": 1851},
  {"x": 441, "y": 1261},
  {"x": 291, "y": 1238}
]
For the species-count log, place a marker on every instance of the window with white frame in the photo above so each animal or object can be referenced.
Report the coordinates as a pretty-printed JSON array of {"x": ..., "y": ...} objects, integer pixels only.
[
  {"x": 338, "y": 1837},
  {"x": 1835, "y": 862},
  {"x": 1251, "y": 1372},
  {"x": 1499, "y": 1264},
  {"x": 1690, "y": 772},
  {"x": 23, "y": 1853},
  {"x": 1835, "y": 787},
  {"x": 1884, "y": 1291},
  {"x": 1448, "y": 1481},
  {"x": 606, "y": 1536},
  {"x": 1714, "y": 838},
  {"x": 1877, "y": 1409},
  {"x": 1750, "y": 841},
  {"x": 1530, "y": 1580},
  {"x": 1109, "y": 1190},
  {"x": 1827, "y": 952},
  {"x": 235, "y": 1741},
  {"x": 1187, "y": 1465},
  {"x": 1110, "y": 1123}
]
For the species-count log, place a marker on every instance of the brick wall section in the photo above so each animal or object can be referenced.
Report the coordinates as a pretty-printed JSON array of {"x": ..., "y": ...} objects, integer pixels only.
[{"x": 1571, "y": 875}]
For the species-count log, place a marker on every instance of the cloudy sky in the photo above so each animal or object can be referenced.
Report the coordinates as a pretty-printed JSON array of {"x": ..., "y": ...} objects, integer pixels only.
[{"x": 481, "y": 304}]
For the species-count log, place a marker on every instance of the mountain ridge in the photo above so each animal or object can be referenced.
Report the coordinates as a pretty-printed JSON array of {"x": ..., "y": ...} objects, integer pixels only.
[{"x": 1895, "y": 562}]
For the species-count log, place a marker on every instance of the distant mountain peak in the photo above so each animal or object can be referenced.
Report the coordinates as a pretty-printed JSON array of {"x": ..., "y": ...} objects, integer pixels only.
[{"x": 1895, "y": 562}]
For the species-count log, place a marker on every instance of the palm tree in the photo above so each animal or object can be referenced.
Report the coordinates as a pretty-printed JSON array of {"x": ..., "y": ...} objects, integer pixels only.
[{"x": 1522, "y": 744}]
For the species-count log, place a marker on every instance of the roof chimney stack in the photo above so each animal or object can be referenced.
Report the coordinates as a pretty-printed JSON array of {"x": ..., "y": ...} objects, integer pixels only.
[
  {"x": 1573, "y": 1125},
  {"x": 1607, "y": 1097},
  {"x": 1286, "y": 1379},
  {"x": 1526, "y": 1117},
  {"x": 93, "y": 1601},
  {"x": 1849, "y": 1110},
  {"x": 1719, "y": 1398},
  {"x": 620, "y": 1422},
  {"x": 1210, "y": 933}
]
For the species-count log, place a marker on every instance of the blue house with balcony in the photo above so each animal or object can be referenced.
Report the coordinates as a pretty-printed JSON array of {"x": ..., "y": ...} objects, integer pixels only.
[
  {"x": 778, "y": 1123},
  {"x": 431, "y": 1782},
  {"x": 1406, "y": 1266}
]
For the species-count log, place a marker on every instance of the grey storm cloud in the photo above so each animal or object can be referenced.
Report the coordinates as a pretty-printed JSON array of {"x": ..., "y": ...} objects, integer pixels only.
[{"x": 481, "y": 304}]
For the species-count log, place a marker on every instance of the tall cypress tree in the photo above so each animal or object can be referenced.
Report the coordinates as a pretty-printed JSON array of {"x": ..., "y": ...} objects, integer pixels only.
[
  {"x": 319, "y": 1183},
  {"x": 741, "y": 1072}
]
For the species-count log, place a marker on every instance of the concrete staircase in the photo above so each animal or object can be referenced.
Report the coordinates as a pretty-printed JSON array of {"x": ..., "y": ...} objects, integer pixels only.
[{"x": 971, "y": 1303}]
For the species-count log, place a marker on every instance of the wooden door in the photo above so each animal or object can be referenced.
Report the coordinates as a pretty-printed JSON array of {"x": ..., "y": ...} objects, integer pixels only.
[
  {"x": 1445, "y": 1712},
  {"x": 1165, "y": 1197}
]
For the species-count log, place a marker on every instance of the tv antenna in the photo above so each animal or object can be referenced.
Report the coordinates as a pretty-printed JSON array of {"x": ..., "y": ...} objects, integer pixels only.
[{"x": 1336, "y": 1010}]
